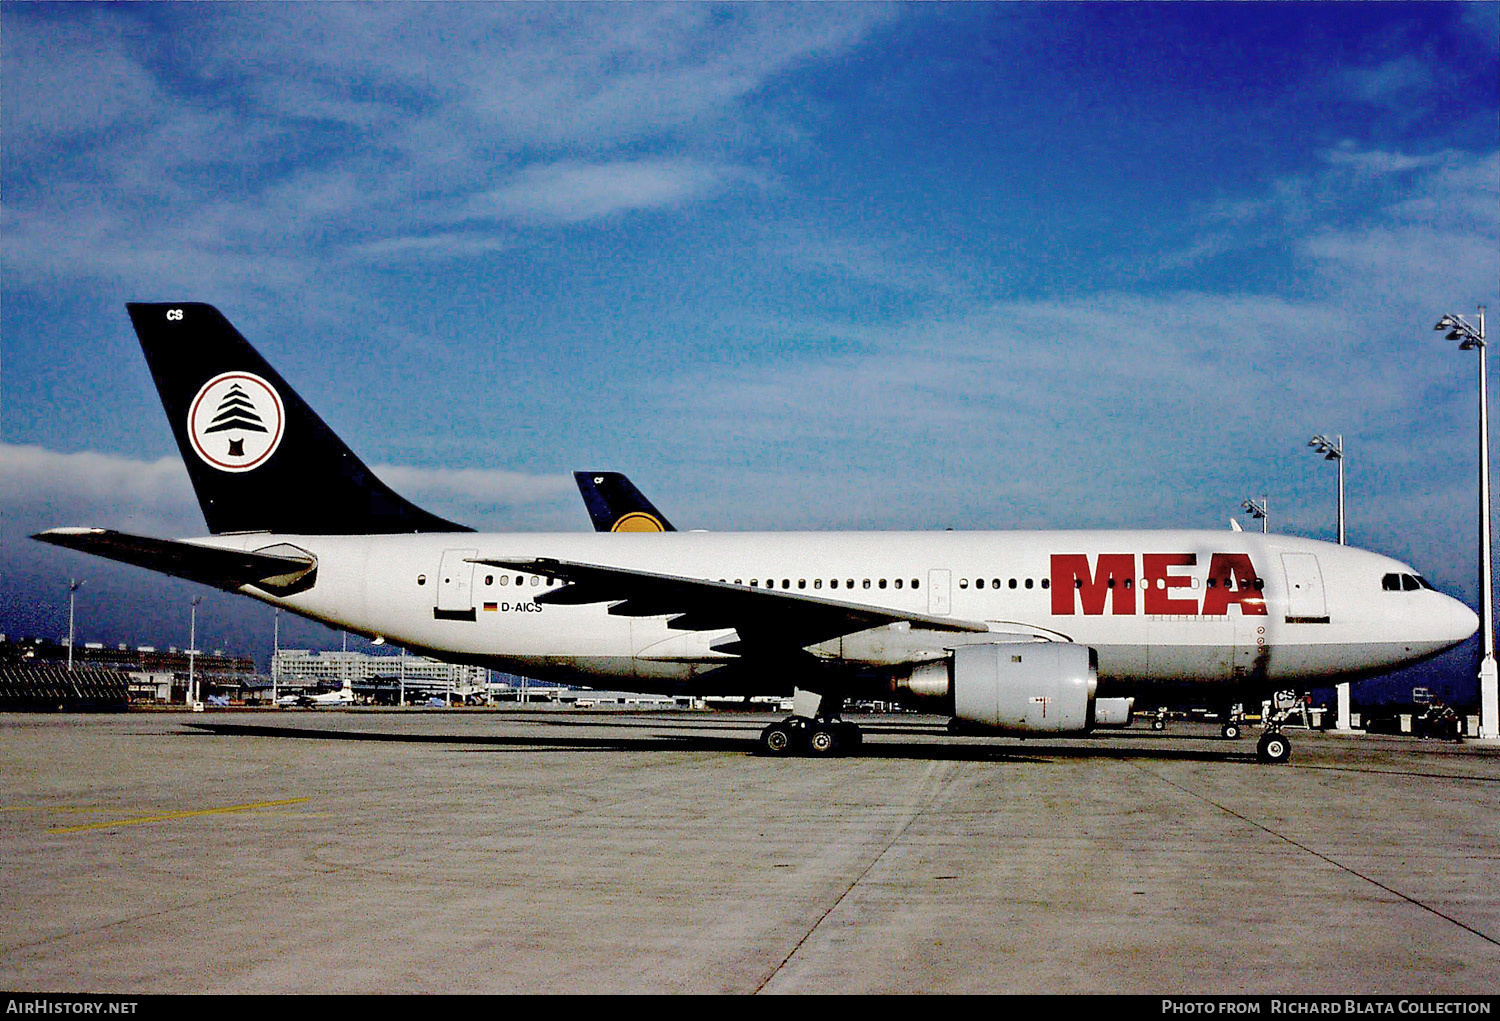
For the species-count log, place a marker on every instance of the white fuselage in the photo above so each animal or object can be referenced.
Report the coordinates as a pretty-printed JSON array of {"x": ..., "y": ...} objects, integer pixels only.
[{"x": 1167, "y": 607}]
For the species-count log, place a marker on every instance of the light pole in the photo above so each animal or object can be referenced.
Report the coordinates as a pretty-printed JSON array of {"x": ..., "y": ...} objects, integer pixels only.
[
  {"x": 193, "y": 651},
  {"x": 1469, "y": 338},
  {"x": 275, "y": 650},
  {"x": 72, "y": 588},
  {"x": 1333, "y": 450},
  {"x": 1259, "y": 510}
]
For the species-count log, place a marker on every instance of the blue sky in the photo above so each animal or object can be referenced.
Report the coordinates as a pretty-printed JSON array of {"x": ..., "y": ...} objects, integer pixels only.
[{"x": 789, "y": 266}]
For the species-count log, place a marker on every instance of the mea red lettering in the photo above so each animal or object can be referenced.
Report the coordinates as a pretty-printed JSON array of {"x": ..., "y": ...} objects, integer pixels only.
[
  {"x": 1159, "y": 584},
  {"x": 1115, "y": 575},
  {"x": 1232, "y": 580}
]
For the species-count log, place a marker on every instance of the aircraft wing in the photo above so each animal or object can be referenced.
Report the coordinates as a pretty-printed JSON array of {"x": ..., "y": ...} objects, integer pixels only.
[
  {"x": 281, "y": 571},
  {"x": 764, "y": 618}
]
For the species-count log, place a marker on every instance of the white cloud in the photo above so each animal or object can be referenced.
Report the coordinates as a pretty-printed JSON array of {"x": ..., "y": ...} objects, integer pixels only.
[
  {"x": 43, "y": 488},
  {"x": 479, "y": 486},
  {"x": 573, "y": 191}
]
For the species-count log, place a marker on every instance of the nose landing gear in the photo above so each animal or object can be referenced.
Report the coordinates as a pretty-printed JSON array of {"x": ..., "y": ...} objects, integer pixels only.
[{"x": 1273, "y": 746}]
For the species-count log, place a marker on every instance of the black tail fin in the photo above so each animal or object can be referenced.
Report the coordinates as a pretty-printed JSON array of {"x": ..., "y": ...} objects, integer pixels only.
[
  {"x": 615, "y": 505},
  {"x": 259, "y": 457}
]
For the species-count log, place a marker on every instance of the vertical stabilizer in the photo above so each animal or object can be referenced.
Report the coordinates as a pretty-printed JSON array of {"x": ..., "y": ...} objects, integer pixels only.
[
  {"x": 259, "y": 458},
  {"x": 615, "y": 505}
]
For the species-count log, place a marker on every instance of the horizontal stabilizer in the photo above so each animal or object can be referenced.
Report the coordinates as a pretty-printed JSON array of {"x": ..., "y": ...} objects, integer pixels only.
[{"x": 286, "y": 570}]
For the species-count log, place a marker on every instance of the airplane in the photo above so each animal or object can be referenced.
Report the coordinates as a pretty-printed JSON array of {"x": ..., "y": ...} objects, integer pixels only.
[
  {"x": 615, "y": 505},
  {"x": 324, "y": 699},
  {"x": 1031, "y": 633}
]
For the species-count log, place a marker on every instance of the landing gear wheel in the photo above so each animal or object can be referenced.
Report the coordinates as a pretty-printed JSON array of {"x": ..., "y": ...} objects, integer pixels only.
[
  {"x": 1273, "y": 747},
  {"x": 779, "y": 740},
  {"x": 824, "y": 740},
  {"x": 1159, "y": 724},
  {"x": 1230, "y": 731}
]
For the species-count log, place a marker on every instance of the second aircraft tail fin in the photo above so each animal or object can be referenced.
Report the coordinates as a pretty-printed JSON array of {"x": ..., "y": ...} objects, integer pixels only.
[{"x": 615, "y": 505}]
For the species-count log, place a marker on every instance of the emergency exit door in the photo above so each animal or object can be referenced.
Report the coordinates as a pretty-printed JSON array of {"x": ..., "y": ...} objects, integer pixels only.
[
  {"x": 939, "y": 592},
  {"x": 455, "y": 588},
  {"x": 1305, "y": 602}
]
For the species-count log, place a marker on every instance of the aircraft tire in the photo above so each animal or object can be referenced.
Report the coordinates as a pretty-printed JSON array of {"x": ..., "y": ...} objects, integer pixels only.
[
  {"x": 823, "y": 740},
  {"x": 1273, "y": 747},
  {"x": 1230, "y": 731},
  {"x": 1158, "y": 724},
  {"x": 779, "y": 740}
]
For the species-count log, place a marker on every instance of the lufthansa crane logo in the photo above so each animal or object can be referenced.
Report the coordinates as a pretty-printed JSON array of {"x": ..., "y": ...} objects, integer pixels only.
[
  {"x": 236, "y": 422},
  {"x": 637, "y": 521}
]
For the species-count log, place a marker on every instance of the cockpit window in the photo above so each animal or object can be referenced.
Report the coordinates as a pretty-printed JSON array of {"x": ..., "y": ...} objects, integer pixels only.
[{"x": 1405, "y": 583}]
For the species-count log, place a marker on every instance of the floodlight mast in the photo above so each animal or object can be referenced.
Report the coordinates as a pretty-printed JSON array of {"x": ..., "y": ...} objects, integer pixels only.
[
  {"x": 1333, "y": 450},
  {"x": 193, "y": 652},
  {"x": 73, "y": 584},
  {"x": 1472, "y": 337},
  {"x": 1259, "y": 510}
]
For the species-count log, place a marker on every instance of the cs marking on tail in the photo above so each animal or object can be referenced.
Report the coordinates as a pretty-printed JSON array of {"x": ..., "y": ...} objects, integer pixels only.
[{"x": 236, "y": 421}]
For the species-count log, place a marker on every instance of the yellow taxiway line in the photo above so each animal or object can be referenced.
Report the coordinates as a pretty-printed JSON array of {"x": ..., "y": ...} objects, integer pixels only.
[{"x": 164, "y": 816}]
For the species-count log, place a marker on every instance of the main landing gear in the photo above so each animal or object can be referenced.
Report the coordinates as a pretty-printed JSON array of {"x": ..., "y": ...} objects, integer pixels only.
[{"x": 798, "y": 735}]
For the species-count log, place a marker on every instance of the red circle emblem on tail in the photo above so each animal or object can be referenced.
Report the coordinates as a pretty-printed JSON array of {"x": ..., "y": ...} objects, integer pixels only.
[{"x": 236, "y": 422}]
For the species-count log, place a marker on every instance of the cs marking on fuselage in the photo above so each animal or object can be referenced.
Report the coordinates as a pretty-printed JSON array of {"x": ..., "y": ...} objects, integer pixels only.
[{"x": 512, "y": 607}]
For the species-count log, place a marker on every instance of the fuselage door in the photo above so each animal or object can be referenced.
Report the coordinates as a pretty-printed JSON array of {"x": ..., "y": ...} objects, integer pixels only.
[
  {"x": 1304, "y": 589},
  {"x": 455, "y": 591},
  {"x": 939, "y": 592}
]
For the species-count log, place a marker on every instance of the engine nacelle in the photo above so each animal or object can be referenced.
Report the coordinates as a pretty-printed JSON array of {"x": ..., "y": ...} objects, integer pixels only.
[
  {"x": 1034, "y": 687},
  {"x": 1113, "y": 712}
]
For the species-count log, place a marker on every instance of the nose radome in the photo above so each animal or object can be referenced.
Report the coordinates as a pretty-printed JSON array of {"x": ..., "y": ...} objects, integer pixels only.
[{"x": 1458, "y": 622}]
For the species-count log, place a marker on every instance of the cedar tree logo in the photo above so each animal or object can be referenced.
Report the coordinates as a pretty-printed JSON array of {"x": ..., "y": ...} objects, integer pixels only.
[{"x": 236, "y": 421}]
